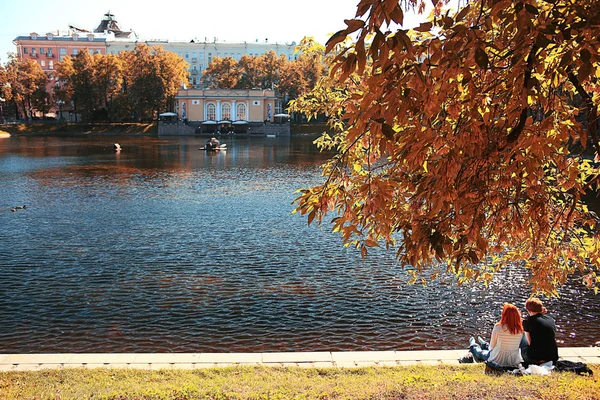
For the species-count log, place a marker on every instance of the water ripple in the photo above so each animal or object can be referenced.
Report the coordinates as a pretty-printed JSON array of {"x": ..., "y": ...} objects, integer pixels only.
[{"x": 168, "y": 249}]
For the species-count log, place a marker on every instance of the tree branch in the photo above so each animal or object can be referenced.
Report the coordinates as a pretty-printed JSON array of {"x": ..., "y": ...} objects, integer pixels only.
[
  {"x": 518, "y": 129},
  {"x": 591, "y": 109}
]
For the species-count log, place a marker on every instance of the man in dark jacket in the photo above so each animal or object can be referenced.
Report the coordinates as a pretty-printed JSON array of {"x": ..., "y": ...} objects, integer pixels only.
[{"x": 540, "y": 331}]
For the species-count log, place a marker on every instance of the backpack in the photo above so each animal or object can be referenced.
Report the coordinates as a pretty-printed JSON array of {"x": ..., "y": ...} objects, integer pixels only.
[{"x": 572, "y": 366}]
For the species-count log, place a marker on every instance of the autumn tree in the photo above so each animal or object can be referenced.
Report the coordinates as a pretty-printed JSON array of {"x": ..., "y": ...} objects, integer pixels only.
[
  {"x": 25, "y": 85},
  {"x": 271, "y": 68},
  {"x": 152, "y": 78},
  {"x": 455, "y": 139},
  {"x": 301, "y": 75},
  {"x": 108, "y": 79},
  {"x": 5, "y": 95},
  {"x": 222, "y": 73},
  {"x": 250, "y": 72}
]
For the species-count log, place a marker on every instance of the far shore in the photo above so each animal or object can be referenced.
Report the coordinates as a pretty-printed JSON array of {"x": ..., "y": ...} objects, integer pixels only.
[
  {"x": 78, "y": 129},
  {"x": 114, "y": 129}
]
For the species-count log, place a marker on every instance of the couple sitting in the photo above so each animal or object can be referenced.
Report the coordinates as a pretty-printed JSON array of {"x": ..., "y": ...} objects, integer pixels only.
[{"x": 531, "y": 341}]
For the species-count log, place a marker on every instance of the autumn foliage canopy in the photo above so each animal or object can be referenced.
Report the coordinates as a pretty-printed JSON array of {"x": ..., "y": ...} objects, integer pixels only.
[{"x": 467, "y": 143}]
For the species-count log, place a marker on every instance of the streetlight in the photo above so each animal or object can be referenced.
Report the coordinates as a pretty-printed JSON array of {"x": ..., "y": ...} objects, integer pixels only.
[
  {"x": 60, "y": 104},
  {"x": 2, "y": 100}
]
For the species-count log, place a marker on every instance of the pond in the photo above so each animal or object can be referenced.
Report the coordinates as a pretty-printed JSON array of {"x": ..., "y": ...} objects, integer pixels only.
[{"x": 166, "y": 248}]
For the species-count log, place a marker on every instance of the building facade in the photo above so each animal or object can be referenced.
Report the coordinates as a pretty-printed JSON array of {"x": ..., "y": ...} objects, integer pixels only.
[
  {"x": 108, "y": 38},
  {"x": 196, "y": 105}
]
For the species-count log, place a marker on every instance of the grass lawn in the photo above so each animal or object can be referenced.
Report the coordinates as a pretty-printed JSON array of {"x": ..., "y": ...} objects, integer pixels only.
[{"x": 415, "y": 382}]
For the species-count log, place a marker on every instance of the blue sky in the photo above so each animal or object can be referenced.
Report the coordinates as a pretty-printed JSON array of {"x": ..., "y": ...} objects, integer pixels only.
[{"x": 229, "y": 20}]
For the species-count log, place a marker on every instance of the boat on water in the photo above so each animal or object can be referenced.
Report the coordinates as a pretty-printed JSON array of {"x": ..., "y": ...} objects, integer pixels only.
[{"x": 213, "y": 144}]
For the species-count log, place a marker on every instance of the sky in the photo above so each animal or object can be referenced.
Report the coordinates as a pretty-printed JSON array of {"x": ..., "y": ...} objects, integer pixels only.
[{"x": 228, "y": 20}]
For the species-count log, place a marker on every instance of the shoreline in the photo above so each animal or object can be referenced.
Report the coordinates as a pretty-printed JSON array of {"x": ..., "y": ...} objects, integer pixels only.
[
  {"x": 322, "y": 359},
  {"x": 79, "y": 129}
]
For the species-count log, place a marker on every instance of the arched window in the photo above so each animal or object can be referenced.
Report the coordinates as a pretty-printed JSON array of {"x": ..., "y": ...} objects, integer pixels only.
[
  {"x": 211, "y": 112},
  {"x": 241, "y": 112},
  {"x": 226, "y": 111}
]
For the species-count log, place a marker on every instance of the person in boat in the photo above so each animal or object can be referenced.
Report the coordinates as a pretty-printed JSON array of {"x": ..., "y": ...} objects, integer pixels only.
[
  {"x": 506, "y": 337},
  {"x": 212, "y": 144}
]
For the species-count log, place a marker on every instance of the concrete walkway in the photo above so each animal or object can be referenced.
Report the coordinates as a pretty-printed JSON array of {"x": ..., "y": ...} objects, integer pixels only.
[{"x": 351, "y": 359}]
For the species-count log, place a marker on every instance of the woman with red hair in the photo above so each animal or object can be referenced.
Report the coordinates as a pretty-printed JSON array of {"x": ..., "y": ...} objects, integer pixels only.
[{"x": 506, "y": 338}]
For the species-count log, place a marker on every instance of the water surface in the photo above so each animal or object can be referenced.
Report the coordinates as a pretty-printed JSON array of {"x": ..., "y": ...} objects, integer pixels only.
[{"x": 165, "y": 248}]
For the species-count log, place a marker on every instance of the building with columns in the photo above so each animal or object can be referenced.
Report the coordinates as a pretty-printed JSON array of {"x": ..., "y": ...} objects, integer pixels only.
[{"x": 230, "y": 105}]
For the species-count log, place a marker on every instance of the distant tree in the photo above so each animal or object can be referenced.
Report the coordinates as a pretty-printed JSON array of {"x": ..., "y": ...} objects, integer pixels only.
[
  {"x": 152, "y": 78},
  {"x": 454, "y": 139},
  {"x": 25, "y": 84},
  {"x": 271, "y": 68},
  {"x": 108, "y": 79},
  {"x": 250, "y": 73},
  {"x": 222, "y": 73},
  {"x": 301, "y": 75}
]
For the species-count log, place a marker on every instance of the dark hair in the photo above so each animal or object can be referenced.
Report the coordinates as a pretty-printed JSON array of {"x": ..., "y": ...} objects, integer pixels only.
[{"x": 535, "y": 305}]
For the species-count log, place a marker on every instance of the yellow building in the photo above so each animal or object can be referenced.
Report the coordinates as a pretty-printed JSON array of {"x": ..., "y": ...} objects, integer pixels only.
[{"x": 227, "y": 105}]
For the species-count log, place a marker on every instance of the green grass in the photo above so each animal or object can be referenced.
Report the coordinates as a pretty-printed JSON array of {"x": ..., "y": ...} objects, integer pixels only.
[{"x": 417, "y": 382}]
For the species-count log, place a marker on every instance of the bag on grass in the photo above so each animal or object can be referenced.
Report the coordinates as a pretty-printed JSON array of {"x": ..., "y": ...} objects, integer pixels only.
[{"x": 573, "y": 366}]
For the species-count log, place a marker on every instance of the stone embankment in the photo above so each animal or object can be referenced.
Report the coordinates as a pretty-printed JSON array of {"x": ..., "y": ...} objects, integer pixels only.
[{"x": 324, "y": 359}]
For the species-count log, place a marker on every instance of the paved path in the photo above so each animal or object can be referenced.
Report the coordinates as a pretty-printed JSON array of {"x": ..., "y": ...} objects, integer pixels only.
[{"x": 351, "y": 359}]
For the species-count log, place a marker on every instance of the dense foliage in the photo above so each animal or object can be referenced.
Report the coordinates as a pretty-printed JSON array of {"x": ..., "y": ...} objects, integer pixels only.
[
  {"x": 134, "y": 85},
  {"x": 23, "y": 82},
  {"x": 290, "y": 78},
  {"x": 456, "y": 139}
]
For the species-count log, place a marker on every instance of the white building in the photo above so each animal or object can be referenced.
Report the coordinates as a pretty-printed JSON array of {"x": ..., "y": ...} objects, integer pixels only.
[{"x": 198, "y": 54}]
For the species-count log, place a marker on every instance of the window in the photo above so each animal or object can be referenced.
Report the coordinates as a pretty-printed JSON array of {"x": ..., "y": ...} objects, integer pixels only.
[
  {"x": 75, "y": 51},
  {"x": 51, "y": 64},
  {"x": 187, "y": 55},
  {"x": 211, "y": 112},
  {"x": 25, "y": 50},
  {"x": 201, "y": 56},
  {"x": 42, "y": 50},
  {"x": 193, "y": 83},
  {"x": 50, "y": 51},
  {"x": 91, "y": 51},
  {"x": 241, "y": 112},
  {"x": 226, "y": 111},
  {"x": 63, "y": 51},
  {"x": 43, "y": 63},
  {"x": 193, "y": 55},
  {"x": 34, "y": 36}
]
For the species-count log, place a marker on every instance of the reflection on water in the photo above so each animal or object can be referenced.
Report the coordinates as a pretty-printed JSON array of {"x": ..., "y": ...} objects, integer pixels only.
[{"x": 163, "y": 247}]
